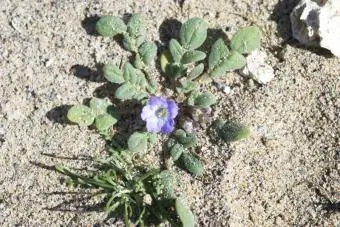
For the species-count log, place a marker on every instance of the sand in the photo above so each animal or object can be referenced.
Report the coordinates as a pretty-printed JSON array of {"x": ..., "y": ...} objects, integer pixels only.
[{"x": 285, "y": 174}]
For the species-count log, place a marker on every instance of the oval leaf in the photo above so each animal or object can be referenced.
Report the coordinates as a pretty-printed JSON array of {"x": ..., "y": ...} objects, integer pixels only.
[
  {"x": 147, "y": 52},
  {"x": 176, "y": 50},
  {"x": 246, "y": 40},
  {"x": 113, "y": 74},
  {"x": 136, "y": 26},
  {"x": 104, "y": 121},
  {"x": 138, "y": 142},
  {"x": 110, "y": 26},
  {"x": 99, "y": 106},
  {"x": 196, "y": 72},
  {"x": 219, "y": 52},
  {"x": 125, "y": 92},
  {"x": 232, "y": 131},
  {"x": 191, "y": 163},
  {"x": 176, "y": 151},
  {"x": 193, "y": 33},
  {"x": 80, "y": 114},
  {"x": 185, "y": 215},
  {"x": 234, "y": 61},
  {"x": 204, "y": 100},
  {"x": 192, "y": 56}
]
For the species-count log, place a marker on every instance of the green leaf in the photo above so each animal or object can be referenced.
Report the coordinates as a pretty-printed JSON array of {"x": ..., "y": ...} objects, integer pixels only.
[
  {"x": 196, "y": 72},
  {"x": 138, "y": 142},
  {"x": 110, "y": 26},
  {"x": 193, "y": 33},
  {"x": 231, "y": 131},
  {"x": 125, "y": 92},
  {"x": 219, "y": 52},
  {"x": 202, "y": 100},
  {"x": 165, "y": 60},
  {"x": 176, "y": 50},
  {"x": 80, "y": 114},
  {"x": 187, "y": 86},
  {"x": 192, "y": 56},
  {"x": 234, "y": 61},
  {"x": 129, "y": 43},
  {"x": 113, "y": 74},
  {"x": 148, "y": 52},
  {"x": 99, "y": 106},
  {"x": 104, "y": 121},
  {"x": 186, "y": 139},
  {"x": 152, "y": 137},
  {"x": 246, "y": 40},
  {"x": 163, "y": 183},
  {"x": 136, "y": 26},
  {"x": 191, "y": 163},
  {"x": 176, "y": 151},
  {"x": 185, "y": 215},
  {"x": 129, "y": 73}
]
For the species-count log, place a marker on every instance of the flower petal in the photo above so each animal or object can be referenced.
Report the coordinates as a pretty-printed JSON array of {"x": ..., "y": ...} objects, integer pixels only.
[
  {"x": 148, "y": 112},
  {"x": 157, "y": 101},
  {"x": 168, "y": 127},
  {"x": 172, "y": 108},
  {"x": 154, "y": 124}
]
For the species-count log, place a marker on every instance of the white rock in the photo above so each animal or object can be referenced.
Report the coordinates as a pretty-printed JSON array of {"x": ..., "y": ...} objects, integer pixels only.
[
  {"x": 258, "y": 68},
  {"x": 317, "y": 23}
]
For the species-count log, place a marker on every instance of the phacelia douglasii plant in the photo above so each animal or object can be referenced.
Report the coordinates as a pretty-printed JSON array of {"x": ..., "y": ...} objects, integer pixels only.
[{"x": 145, "y": 195}]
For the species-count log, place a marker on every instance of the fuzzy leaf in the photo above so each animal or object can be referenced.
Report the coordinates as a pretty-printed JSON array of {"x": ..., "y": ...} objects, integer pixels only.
[
  {"x": 129, "y": 73},
  {"x": 231, "y": 131},
  {"x": 187, "y": 86},
  {"x": 130, "y": 43},
  {"x": 184, "y": 138},
  {"x": 110, "y": 26},
  {"x": 185, "y": 215},
  {"x": 104, "y": 121},
  {"x": 176, "y": 50},
  {"x": 163, "y": 182},
  {"x": 113, "y": 74},
  {"x": 176, "y": 151},
  {"x": 246, "y": 40},
  {"x": 148, "y": 52},
  {"x": 137, "y": 29},
  {"x": 196, "y": 72},
  {"x": 193, "y": 33},
  {"x": 202, "y": 100},
  {"x": 125, "y": 92},
  {"x": 138, "y": 142},
  {"x": 82, "y": 115},
  {"x": 192, "y": 56},
  {"x": 219, "y": 52},
  {"x": 234, "y": 61},
  {"x": 190, "y": 163},
  {"x": 99, "y": 106}
]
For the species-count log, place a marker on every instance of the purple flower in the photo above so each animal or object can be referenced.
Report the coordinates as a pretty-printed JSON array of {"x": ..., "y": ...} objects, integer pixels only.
[{"x": 159, "y": 114}]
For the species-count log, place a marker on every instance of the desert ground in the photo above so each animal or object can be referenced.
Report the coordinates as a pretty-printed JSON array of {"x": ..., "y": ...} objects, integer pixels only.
[{"x": 285, "y": 174}]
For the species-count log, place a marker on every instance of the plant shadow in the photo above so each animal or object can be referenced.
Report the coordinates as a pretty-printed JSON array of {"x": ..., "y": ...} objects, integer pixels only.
[
  {"x": 89, "y": 25},
  {"x": 86, "y": 73},
  {"x": 281, "y": 15},
  {"x": 58, "y": 114},
  {"x": 169, "y": 29}
]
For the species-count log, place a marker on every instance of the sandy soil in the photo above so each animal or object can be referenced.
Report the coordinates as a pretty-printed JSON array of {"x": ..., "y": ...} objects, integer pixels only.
[{"x": 285, "y": 174}]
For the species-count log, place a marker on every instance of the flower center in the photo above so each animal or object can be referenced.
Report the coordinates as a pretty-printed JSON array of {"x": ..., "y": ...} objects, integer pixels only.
[{"x": 162, "y": 112}]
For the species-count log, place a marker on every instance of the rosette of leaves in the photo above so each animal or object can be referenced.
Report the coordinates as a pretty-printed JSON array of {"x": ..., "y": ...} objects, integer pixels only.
[
  {"x": 223, "y": 59},
  {"x": 132, "y": 81},
  {"x": 180, "y": 146},
  {"x": 183, "y": 58},
  {"x": 133, "y": 37},
  {"x": 231, "y": 131},
  {"x": 101, "y": 113}
]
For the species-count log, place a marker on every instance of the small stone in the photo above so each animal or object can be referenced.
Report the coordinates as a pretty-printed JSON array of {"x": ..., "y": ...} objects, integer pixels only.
[
  {"x": 316, "y": 23},
  {"x": 257, "y": 67},
  {"x": 227, "y": 90}
]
